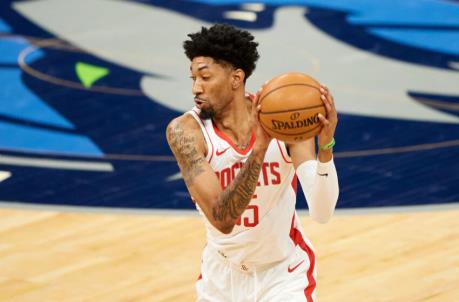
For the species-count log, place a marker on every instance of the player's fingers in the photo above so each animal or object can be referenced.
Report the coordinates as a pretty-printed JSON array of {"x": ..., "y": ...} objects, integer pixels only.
[
  {"x": 326, "y": 102},
  {"x": 323, "y": 120},
  {"x": 332, "y": 102},
  {"x": 252, "y": 97},
  {"x": 331, "y": 112},
  {"x": 332, "y": 99},
  {"x": 254, "y": 108},
  {"x": 332, "y": 105},
  {"x": 327, "y": 92},
  {"x": 255, "y": 98},
  {"x": 324, "y": 90}
]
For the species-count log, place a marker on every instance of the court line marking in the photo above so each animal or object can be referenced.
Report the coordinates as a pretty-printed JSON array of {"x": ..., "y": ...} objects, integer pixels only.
[
  {"x": 55, "y": 163},
  {"x": 395, "y": 150},
  {"x": 194, "y": 212},
  {"x": 126, "y": 157},
  {"x": 58, "y": 44},
  {"x": 167, "y": 158}
]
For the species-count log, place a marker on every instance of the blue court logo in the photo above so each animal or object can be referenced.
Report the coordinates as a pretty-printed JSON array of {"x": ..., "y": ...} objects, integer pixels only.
[{"x": 87, "y": 94}]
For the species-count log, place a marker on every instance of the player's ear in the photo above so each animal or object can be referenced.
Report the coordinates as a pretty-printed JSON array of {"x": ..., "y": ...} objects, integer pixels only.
[{"x": 238, "y": 76}]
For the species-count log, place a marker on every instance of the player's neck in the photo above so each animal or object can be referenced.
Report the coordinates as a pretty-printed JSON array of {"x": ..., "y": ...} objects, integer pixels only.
[{"x": 234, "y": 121}]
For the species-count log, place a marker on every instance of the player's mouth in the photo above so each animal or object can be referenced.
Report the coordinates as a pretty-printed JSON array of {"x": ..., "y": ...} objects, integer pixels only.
[{"x": 198, "y": 102}]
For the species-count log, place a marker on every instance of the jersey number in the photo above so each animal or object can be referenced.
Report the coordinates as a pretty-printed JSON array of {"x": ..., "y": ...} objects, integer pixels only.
[{"x": 251, "y": 219}]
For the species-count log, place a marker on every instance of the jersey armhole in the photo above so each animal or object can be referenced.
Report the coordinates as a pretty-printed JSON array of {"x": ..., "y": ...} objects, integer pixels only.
[
  {"x": 283, "y": 151},
  {"x": 208, "y": 141}
]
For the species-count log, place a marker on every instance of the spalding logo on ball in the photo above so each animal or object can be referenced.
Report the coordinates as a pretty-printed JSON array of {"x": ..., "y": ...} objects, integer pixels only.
[{"x": 290, "y": 107}]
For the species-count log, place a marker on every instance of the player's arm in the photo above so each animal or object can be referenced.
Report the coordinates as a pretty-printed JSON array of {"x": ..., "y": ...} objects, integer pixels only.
[
  {"x": 222, "y": 208},
  {"x": 318, "y": 178}
]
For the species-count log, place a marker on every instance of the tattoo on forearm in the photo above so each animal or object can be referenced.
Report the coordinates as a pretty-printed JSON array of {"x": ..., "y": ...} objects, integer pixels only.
[
  {"x": 184, "y": 149},
  {"x": 237, "y": 196}
]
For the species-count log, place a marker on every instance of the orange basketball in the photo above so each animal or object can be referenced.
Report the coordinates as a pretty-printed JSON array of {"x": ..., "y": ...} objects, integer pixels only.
[{"x": 290, "y": 104}]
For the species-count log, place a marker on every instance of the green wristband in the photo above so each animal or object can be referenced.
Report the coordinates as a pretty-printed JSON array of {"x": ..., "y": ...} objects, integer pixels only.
[{"x": 328, "y": 146}]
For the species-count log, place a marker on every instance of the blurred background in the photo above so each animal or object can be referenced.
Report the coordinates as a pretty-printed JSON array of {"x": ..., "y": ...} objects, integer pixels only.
[{"x": 88, "y": 88}]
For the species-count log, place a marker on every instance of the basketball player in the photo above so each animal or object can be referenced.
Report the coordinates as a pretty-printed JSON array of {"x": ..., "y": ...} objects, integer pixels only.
[{"x": 244, "y": 182}]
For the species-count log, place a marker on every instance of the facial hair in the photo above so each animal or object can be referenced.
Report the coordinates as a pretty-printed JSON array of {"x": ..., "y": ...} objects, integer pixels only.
[{"x": 208, "y": 113}]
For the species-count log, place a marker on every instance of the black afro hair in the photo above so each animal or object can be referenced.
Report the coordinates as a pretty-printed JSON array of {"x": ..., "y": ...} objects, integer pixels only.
[{"x": 224, "y": 42}]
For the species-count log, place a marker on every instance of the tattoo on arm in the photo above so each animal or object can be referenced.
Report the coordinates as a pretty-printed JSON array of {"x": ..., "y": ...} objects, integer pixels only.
[
  {"x": 184, "y": 149},
  {"x": 237, "y": 196}
]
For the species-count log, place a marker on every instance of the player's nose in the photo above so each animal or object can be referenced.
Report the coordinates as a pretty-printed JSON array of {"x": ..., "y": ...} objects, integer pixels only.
[{"x": 197, "y": 88}]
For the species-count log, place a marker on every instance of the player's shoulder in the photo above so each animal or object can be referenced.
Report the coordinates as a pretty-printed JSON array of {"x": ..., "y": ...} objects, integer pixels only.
[
  {"x": 184, "y": 122},
  {"x": 185, "y": 126}
]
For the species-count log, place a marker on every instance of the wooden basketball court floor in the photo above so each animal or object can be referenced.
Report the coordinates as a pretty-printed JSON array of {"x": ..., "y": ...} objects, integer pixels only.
[{"x": 61, "y": 254}]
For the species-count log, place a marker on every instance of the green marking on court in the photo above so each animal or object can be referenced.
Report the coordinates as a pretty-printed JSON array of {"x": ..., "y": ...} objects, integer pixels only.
[{"x": 89, "y": 74}]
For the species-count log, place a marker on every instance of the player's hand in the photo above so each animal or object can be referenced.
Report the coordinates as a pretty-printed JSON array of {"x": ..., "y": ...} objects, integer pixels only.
[
  {"x": 262, "y": 137},
  {"x": 329, "y": 123}
]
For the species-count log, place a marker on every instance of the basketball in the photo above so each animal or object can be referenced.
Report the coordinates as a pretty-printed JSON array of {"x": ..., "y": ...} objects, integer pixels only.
[{"x": 290, "y": 105}]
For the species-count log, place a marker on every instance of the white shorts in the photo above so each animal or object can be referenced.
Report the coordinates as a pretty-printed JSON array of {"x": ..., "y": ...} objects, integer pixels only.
[{"x": 293, "y": 279}]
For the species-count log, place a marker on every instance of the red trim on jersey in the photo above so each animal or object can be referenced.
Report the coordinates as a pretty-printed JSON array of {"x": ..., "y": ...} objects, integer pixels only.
[
  {"x": 298, "y": 239},
  {"x": 295, "y": 183},
  {"x": 282, "y": 152},
  {"x": 208, "y": 136},
  {"x": 229, "y": 141},
  {"x": 200, "y": 274}
]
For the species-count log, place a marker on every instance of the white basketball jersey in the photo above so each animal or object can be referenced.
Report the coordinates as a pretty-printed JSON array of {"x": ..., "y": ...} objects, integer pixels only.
[{"x": 262, "y": 234}]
